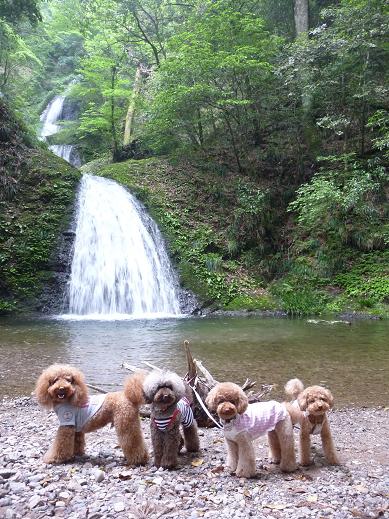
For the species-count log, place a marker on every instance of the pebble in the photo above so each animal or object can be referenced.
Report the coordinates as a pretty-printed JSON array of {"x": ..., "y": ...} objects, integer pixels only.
[
  {"x": 101, "y": 486},
  {"x": 98, "y": 475},
  {"x": 35, "y": 501},
  {"x": 119, "y": 507}
]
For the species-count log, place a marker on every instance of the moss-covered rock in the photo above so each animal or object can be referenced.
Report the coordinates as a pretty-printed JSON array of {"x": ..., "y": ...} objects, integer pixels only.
[{"x": 34, "y": 211}]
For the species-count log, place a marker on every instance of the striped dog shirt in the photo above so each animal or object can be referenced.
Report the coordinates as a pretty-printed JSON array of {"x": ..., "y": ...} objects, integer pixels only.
[{"x": 183, "y": 412}]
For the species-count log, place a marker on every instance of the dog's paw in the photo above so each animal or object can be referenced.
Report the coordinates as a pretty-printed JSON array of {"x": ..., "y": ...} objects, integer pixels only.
[
  {"x": 51, "y": 459},
  {"x": 288, "y": 467},
  {"x": 306, "y": 463},
  {"x": 169, "y": 466},
  {"x": 245, "y": 472}
]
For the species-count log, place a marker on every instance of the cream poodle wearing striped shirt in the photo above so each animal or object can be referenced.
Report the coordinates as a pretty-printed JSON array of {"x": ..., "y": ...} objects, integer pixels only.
[{"x": 170, "y": 400}]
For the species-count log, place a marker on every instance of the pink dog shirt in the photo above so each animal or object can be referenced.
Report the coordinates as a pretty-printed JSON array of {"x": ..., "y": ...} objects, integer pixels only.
[{"x": 258, "y": 419}]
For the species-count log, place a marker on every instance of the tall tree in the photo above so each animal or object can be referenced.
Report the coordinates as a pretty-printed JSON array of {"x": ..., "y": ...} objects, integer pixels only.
[{"x": 301, "y": 16}]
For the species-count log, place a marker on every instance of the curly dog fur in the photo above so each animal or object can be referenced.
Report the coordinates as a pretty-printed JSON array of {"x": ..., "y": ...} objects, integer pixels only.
[
  {"x": 164, "y": 390},
  {"x": 229, "y": 401},
  {"x": 309, "y": 410},
  {"x": 63, "y": 384}
]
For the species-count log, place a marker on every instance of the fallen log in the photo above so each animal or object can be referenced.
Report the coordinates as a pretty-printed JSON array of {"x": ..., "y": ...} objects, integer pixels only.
[{"x": 201, "y": 381}]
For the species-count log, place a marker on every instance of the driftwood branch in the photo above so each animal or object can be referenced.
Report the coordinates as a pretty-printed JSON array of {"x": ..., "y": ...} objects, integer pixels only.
[
  {"x": 248, "y": 384},
  {"x": 208, "y": 377},
  {"x": 200, "y": 380},
  {"x": 136, "y": 369},
  {"x": 98, "y": 389}
]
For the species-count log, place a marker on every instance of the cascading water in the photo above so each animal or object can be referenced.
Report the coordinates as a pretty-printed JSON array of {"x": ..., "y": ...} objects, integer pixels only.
[
  {"x": 120, "y": 264},
  {"x": 49, "y": 118}
]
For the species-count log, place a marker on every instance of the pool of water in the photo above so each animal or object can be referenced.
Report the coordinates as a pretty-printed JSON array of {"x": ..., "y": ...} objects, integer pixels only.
[{"x": 353, "y": 361}]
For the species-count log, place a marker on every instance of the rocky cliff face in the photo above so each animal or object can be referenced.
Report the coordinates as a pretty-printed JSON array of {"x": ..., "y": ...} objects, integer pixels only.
[
  {"x": 70, "y": 110},
  {"x": 54, "y": 296},
  {"x": 35, "y": 209}
]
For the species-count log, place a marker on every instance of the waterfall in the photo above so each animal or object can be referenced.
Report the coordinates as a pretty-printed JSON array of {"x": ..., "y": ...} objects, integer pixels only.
[
  {"x": 120, "y": 264},
  {"x": 49, "y": 118}
]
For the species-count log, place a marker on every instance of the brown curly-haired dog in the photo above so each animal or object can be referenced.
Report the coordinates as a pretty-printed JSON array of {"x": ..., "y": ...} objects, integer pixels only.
[
  {"x": 309, "y": 409},
  {"x": 244, "y": 422},
  {"x": 170, "y": 401},
  {"x": 62, "y": 388}
]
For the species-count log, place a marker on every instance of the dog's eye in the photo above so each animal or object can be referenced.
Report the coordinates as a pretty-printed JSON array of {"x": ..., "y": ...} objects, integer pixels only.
[
  {"x": 69, "y": 379},
  {"x": 53, "y": 381}
]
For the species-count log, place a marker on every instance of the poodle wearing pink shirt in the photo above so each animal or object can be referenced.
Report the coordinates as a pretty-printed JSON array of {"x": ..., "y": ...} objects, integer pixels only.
[{"x": 243, "y": 422}]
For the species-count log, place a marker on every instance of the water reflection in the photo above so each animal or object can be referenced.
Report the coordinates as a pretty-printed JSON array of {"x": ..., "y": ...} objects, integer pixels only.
[{"x": 352, "y": 360}]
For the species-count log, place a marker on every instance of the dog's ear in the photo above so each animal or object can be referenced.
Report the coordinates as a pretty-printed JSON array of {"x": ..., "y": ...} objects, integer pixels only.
[
  {"x": 80, "y": 396},
  {"x": 242, "y": 403},
  {"x": 41, "y": 391},
  {"x": 210, "y": 400},
  {"x": 302, "y": 400},
  {"x": 329, "y": 397}
]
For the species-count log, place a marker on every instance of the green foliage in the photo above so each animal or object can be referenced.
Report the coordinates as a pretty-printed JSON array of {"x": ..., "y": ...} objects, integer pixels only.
[
  {"x": 206, "y": 84},
  {"x": 201, "y": 271},
  {"x": 343, "y": 205},
  {"x": 367, "y": 280},
  {"x": 298, "y": 301},
  {"x": 16, "y": 10},
  {"x": 251, "y": 215},
  {"x": 14, "y": 157},
  {"x": 251, "y": 303},
  {"x": 380, "y": 122},
  {"x": 339, "y": 70},
  {"x": 7, "y": 307},
  {"x": 16, "y": 59}
]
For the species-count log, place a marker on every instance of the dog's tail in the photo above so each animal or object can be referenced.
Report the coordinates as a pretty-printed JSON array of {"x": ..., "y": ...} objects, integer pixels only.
[
  {"x": 133, "y": 388},
  {"x": 293, "y": 388}
]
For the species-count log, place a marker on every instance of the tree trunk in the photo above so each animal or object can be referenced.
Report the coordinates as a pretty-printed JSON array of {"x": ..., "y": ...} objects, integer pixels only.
[
  {"x": 301, "y": 11},
  {"x": 129, "y": 125},
  {"x": 113, "y": 128}
]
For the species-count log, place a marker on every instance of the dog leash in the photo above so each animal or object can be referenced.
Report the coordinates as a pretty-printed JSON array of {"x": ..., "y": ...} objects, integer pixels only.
[{"x": 204, "y": 407}]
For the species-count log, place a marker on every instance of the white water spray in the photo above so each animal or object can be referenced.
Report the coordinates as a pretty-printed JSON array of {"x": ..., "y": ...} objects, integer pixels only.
[{"x": 120, "y": 264}]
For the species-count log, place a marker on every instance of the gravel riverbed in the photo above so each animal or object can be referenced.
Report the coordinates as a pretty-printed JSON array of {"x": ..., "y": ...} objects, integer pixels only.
[{"x": 100, "y": 485}]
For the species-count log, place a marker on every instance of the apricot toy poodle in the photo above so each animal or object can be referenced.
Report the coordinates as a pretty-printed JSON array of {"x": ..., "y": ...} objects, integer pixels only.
[
  {"x": 243, "y": 422},
  {"x": 62, "y": 388},
  {"x": 308, "y": 410},
  {"x": 170, "y": 400}
]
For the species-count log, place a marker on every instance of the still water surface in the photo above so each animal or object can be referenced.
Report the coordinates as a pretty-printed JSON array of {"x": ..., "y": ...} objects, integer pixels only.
[{"x": 352, "y": 360}]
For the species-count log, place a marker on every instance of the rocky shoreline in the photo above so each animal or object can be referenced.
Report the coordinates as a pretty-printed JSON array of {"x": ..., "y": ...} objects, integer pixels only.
[{"x": 100, "y": 485}]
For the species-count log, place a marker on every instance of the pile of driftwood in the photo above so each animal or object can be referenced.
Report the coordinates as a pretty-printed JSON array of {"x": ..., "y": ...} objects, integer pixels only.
[{"x": 201, "y": 382}]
